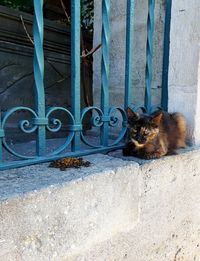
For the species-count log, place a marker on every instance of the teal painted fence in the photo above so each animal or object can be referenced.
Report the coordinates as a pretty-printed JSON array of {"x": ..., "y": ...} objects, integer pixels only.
[{"x": 104, "y": 116}]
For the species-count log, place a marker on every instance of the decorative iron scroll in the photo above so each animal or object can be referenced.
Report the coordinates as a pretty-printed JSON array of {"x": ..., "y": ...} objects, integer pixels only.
[
  {"x": 54, "y": 125},
  {"x": 42, "y": 119}
]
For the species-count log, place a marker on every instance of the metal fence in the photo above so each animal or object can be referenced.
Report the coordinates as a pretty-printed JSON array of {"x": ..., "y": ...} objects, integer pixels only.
[{"x": 105, "y": 116}]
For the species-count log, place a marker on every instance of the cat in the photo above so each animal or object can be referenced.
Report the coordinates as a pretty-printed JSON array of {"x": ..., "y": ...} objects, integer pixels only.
[{"x": 153, "y": 136}]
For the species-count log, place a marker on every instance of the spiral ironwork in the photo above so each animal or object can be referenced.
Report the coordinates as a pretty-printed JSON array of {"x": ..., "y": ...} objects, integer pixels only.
[
  {"x": 24, "y": 125},
  {"x": 57, "y": 124},
  {"x": 114, "y": 121},
  {"x": 111, "y": 119},
  {"x": 105, "y": 118}
]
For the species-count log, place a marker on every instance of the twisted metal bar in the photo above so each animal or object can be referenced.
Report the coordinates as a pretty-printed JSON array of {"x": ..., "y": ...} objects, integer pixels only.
[
  {"x": 105, "y": 69},
  {"x": 75, "y": 69},
  {"x": 164, "y": 94},
  {"x": 2, "y": 134},
  {"x": 149, "y": 55},
  {"x": 38, "y": 64},
  {"x": 105, "y": 116},
  {"x": 129, "y": 53}
]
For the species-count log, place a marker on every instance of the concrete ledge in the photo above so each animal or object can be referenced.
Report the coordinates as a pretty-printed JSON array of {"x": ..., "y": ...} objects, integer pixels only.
[
  {"x": 169, "y": 223},
  {"x": 46, "y": 214},
  {"x": 117, "y": 209}
]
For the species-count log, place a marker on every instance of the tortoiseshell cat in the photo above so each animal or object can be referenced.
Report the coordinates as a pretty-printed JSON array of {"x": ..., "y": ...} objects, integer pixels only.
[{"x": 153, "y": 136}]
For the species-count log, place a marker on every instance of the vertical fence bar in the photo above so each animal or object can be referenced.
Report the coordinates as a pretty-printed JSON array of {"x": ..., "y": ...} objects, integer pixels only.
[
  {"x": 149, "y": 55},
  {"x": 1, "y": 137},
  {"x": 75, "y": 70},
  {"x": 129, "y": 53},
  {"x": 164, "y": 94},
  {"x": 38, "y": 64},
  {"x": 105, "y": 70}
]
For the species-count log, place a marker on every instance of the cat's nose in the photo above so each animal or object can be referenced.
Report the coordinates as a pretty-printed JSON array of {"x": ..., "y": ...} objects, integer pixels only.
[{"x": 141, "y": 140}]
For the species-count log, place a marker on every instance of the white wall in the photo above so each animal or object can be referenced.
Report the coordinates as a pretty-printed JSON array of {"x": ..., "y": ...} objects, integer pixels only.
[{"x": 184, "y": 67}]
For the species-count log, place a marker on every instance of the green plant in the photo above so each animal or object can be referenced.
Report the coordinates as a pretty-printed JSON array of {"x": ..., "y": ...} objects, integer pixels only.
[
  {"x": 87, "y": 10},
  {"x": 87, "y": 14},
  {"x": 23, "y": 5}
]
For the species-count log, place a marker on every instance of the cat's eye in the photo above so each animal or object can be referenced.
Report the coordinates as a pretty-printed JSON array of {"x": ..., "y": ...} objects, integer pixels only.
[{"x": 133, "y": 131}]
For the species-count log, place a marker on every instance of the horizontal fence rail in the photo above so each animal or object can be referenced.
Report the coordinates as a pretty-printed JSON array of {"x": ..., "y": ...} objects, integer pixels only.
[{"x": 103, "y": 117}]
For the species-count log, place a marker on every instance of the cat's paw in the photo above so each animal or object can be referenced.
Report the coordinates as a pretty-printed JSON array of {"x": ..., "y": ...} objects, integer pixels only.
[
  {"x": 152, "y": 156},
  {"x": 129, "y": 152},
  {"x": 126, "y": 152},
  {"x": 171, "y": 153}
]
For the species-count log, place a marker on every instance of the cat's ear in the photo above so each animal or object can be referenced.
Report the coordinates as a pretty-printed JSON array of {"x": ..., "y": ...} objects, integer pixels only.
[
  {"x": 155, "y": 120},
  {"x": 132, "y": 116}
]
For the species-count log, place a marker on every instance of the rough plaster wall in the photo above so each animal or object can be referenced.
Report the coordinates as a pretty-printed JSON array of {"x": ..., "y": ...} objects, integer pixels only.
[
  {"x": 117, "y": 51},
  {"x": 197, "y": 115},
  {"x": 184, "y": 72}
]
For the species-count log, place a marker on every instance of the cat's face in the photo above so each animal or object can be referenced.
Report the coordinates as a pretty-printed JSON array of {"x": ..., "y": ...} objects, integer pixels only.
[{"x": 142, "y": 128}]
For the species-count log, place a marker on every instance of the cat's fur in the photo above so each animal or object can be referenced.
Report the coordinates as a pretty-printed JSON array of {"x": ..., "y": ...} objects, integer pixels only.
[{"x": 155, "y": 135}]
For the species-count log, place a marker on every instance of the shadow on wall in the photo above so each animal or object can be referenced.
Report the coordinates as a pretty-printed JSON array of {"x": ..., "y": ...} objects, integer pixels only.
[{"x": 16, "y": 66}]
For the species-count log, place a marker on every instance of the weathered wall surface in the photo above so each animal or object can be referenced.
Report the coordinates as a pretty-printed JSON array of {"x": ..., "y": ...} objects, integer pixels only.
[
  {"x": 114, "y": 210},
  {"x": 16, "y": 63},
  {"x": 184, "y": 66},
  {"x": 117, "y": 51}
]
